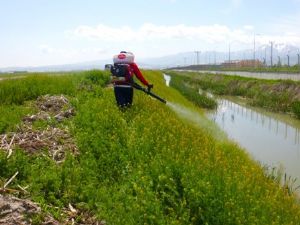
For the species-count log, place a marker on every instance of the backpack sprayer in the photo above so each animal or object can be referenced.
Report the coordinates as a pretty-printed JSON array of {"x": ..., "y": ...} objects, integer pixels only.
[
  {"x": 148, "y": 92},
  {"x": 120, "y": 71}
]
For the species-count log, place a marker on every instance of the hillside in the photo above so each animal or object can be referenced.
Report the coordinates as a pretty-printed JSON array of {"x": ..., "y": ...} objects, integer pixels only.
[{"x": 146, "y": 165}]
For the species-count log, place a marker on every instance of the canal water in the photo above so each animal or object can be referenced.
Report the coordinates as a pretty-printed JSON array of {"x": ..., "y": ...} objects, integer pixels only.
[
  {"x": 167, "y": 79},
  {"x": 258, "y": 75},
  {"x": 272, "y": 139}
]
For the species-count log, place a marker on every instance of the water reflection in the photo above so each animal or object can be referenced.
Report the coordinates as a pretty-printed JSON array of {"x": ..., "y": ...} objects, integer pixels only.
[{"x": 267, "y": 139}]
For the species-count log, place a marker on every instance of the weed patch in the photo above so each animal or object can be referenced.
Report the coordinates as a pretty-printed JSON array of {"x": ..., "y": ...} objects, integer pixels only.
[{"x": 192, "y": 93}]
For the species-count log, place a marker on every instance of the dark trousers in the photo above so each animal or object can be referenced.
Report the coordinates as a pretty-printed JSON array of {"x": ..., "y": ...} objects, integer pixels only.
[{"x": 124, "y": 96}]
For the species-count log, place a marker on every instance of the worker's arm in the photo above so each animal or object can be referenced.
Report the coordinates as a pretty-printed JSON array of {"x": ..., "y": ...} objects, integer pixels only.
[{"x": 138, "y": 74}]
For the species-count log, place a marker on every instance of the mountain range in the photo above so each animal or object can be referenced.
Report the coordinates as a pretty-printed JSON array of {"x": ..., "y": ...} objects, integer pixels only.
[{"x": 280, "y": 52}]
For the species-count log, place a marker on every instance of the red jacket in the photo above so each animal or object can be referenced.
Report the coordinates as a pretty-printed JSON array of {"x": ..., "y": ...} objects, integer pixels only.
[{"x": 134, "y": 70}]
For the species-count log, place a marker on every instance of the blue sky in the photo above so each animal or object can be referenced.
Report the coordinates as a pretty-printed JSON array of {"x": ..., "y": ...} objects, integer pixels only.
[{"x": 47, "y": 32}]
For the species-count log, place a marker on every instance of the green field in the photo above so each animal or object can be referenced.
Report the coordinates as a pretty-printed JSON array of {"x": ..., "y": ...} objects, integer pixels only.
[{"x": 145, "y": 165}]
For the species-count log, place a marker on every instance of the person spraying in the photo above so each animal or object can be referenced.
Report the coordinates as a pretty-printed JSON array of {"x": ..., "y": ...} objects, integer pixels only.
[{"x": 123, "y": 71}]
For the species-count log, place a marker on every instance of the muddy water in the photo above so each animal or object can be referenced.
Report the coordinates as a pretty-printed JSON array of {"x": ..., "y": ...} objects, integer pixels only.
[{"x": 272, "y": 139}]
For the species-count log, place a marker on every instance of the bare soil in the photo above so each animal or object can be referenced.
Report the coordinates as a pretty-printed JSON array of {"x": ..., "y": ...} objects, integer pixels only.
[
  {"x": 15, "y": 211},
  {"x": 56, "y": 140}
]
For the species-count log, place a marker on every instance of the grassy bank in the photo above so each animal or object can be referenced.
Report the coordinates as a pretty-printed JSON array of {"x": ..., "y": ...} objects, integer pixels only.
[
  {"x": 191, "y": 92},
  {"x": 274, "y": 69},
  {"x": 273, "y": 95},
  {"x": 147, "y": 166},
  {"x": 260, "y": 69}
]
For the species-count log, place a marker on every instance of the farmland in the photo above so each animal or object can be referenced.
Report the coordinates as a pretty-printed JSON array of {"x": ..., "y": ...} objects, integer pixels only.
[{"x": 145, "y": 165}]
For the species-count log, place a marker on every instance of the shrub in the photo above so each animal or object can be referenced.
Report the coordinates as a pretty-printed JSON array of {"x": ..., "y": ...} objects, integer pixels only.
[{"x": 97, "y": 77}]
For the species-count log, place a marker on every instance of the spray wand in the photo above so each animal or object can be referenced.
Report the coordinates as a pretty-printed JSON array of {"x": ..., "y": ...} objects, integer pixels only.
[{"x": 148, "y": 92}]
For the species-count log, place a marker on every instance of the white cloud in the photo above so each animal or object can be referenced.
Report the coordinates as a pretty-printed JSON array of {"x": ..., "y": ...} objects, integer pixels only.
[
  {"x": 209, "y": 35},
  {"x": 284, "y": 30},
  {"x": 150, "y": 40},
  {"x": 72, "y": 53},
  {"x": 248, "y": 27},
  {"x": 288, "y": 24},
  {"x": 149, "y": 32}
]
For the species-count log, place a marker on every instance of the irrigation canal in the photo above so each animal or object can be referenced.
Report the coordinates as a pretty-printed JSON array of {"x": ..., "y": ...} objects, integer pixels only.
[
  {"x": 272, "y": 139},
  {"x": 258, "y": 75}
]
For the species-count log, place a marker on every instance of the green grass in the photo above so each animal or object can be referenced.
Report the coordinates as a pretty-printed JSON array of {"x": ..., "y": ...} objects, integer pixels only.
[
  {"x": 12, "y": 115},
  {"x": 192, "y": 93},
  {"x": 18, "y": 91},
  {"x": 273, "y": 95},
  {"x": 274, "y": 69},
  {"x": 296, "y": 108},
  {"x": 148, "y": 166}
]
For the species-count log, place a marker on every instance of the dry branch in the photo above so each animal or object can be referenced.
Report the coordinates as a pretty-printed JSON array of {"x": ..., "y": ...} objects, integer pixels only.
[{"x": 10, "y": 180}]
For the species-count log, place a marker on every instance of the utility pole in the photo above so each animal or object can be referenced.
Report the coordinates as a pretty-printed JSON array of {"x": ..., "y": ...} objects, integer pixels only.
[
  {"x": 229, "y": 54},
  {"x": 197, "y": 54},
  {"x": 288, "y": 60},
  {"x": 215, "y": 56},
  {"x": 279, "y": 61},
  {"x": 271, "y": 42},
  {"x": 265, "y": 60},
  {"x": 254, "y": 51},
  {"x": 298, "y": 59}
]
